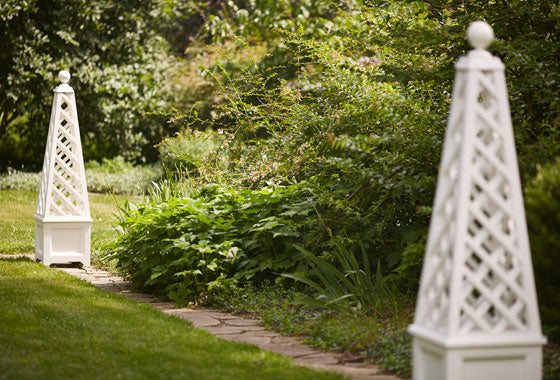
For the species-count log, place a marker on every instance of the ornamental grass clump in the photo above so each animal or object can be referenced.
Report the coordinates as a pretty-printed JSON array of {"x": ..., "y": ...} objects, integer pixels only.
[{"x": 346, "y": 284}]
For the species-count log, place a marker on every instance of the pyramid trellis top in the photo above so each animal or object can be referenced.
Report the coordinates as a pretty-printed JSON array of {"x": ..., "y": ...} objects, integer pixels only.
[
  {"x": 63, "y": 192},
  {"x": 477, "y": 281}
]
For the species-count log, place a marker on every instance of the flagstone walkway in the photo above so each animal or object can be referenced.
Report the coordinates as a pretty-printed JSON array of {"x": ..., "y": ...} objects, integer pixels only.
[{"x": 236, "y": 328}]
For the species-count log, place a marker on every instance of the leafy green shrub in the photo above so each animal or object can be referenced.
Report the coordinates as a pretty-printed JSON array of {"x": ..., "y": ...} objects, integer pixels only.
[
  {"x": 390, "y": 179},
  {"x": 188, "y": 149},
  {"x": 416, "y": 43},
  {"x": 258, "y": 19},
  {"x": 182, "y": 247},
  {"x": 368, "y": 150},
  {"x": 359, "y": 112},
  {"x": 542, "y": 200}
]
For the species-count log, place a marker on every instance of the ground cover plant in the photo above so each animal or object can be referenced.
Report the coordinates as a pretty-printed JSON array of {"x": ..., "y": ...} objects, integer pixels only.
[
  {"x": 53, "y": 325},
  {"x": 380, "y": 338},
  {"x": 183, "y": 247}
]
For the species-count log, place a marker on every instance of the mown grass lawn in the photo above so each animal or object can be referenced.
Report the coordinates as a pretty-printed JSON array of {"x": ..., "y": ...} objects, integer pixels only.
[
  {"x": 17, "y": 226},
  {"x": 55, "y": 326}
]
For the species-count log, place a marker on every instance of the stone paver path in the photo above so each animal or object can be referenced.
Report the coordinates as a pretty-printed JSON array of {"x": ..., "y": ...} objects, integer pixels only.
[{"x": 235, "y": 328}]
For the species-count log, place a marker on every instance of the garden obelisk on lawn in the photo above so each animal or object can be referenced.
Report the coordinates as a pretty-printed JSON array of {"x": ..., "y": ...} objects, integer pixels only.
[
  {"x": 62, "y": 220},
  {"x": 476, "y": 314}
]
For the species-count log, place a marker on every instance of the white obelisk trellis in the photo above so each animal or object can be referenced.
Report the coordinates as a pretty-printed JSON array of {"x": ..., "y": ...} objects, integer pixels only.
[
  {"x": 476, "y": 314},
  {"x": 62, "y": 220}
]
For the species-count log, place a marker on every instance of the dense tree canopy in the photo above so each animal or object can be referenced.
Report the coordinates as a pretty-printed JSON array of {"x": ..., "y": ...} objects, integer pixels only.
[{"x": 118, "y": 63}]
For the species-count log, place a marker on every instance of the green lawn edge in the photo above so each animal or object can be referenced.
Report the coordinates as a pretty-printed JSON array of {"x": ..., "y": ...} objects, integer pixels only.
[{"x": 55, "y": 326}]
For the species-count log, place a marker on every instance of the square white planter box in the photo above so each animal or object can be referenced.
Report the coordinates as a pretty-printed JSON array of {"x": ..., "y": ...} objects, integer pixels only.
[
  {"x": 508, "y": 361},
  {"x": 62, "y": 242}
]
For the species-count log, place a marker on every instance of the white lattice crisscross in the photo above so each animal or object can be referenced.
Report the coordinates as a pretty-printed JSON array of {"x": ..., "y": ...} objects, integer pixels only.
[
  {"x": 492, "y": 284},
  {"x": 476, "y": 314},
  {"x": 63, "y": 185},
  {"x": 436, "y": 289},
  {"x": 474, "y": 277}
]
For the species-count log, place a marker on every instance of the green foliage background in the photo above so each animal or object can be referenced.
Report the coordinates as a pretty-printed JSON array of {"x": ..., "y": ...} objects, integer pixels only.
[
  {"x": 118, "y": 61},
  {"x": 542, "y": 202},
  {"x": 355, "y": 106},
  {"x": 339, "y": 107},
  {"x": 358, "y": 109}
]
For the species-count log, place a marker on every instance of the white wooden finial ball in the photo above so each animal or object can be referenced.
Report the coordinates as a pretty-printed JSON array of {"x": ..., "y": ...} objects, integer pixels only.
[
  {"x": 64, "y": 76},
  {"x": 480, "y": 35}
]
